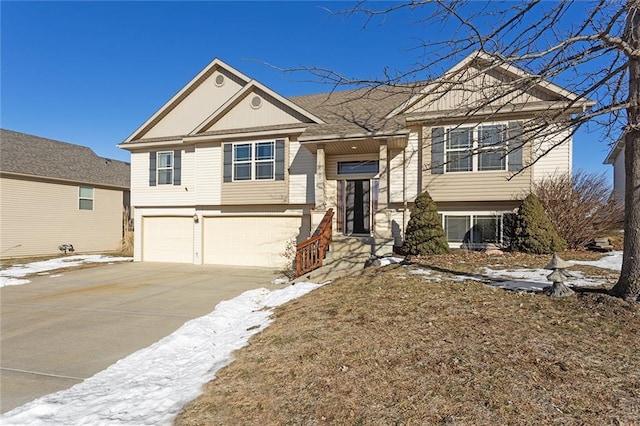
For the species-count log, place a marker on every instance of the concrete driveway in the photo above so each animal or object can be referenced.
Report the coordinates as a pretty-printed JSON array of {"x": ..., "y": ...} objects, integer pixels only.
[{"x": 57, "y": 331}]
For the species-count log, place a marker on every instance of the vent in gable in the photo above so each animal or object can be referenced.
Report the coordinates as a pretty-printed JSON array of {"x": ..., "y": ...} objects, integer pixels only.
[
  {"x": 256, "y": 102},
  {"x": 219, "y": 80}
]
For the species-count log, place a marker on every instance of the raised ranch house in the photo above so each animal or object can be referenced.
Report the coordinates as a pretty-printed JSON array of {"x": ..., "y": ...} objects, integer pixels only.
[
  {"x": 230, "y": 172},
  {"x": 55, "y": 193}
]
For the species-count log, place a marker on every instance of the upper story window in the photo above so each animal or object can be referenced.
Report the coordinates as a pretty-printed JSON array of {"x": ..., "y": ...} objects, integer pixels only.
[
  {"x": 485, "y": 147},
  {"x": 254, "y": 161},
  {"x": 247, "y": 161},
  {"x": 85, "y": 198},
  {"x": 165, "y": 167}
]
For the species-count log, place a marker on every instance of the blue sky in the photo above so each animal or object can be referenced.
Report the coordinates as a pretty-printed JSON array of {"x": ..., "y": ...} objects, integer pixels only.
[{"x": 90, "y": 73}]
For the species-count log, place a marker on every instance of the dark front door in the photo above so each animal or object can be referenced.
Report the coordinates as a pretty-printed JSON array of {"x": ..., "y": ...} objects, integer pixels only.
[{"x": 357, "y": 207}]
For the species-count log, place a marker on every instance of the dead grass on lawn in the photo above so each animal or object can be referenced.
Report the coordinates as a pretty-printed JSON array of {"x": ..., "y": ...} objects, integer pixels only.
[{"x": 388, "y": 347}]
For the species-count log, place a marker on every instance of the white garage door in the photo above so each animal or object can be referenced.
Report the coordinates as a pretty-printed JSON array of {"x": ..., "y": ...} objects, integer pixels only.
[
  {"x": 248, "y": 241},
  {"x": 167, "y": 239}
]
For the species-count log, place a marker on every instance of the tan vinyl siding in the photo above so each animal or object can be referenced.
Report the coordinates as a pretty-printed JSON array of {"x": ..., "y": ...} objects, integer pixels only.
[
  {"x": 36, "y": 217},
  {"x": 195, "y": 108},
  {"x": 557, "y": 161},
  {"x": 162, "y": 195},
  {"x": 255, "y": 192},
  {"x": 244, "y": 114},
  {"x": 301, "y": 174},
  {"x": 489, "y": 85},
  {"x": 208, "y": 174}
]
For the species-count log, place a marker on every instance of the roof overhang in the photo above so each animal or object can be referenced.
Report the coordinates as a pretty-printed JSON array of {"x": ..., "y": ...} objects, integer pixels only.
[{"x": 615, "y": 151}]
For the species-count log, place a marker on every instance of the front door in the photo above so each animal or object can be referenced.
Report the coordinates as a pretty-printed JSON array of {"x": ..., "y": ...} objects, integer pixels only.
[{"x": 357, "y": 207}]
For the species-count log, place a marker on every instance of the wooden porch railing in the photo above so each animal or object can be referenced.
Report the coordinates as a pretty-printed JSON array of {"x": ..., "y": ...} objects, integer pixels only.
[{"x": 310, "y": 253}]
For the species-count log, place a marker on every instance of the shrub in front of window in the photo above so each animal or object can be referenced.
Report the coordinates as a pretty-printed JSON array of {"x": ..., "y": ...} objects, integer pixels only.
[
  {"x": 534, "y": 233},
  {"x": 424, "y": 234}
]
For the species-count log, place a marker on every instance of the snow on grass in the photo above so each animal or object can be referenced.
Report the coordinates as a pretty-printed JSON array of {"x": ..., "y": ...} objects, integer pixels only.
[
  {"x": 612, "y": 261},
  {"x": 534, "y": 279},
  {"x": 14, "y": 274},
  {"x": 384, "y": 261},
  {"x": 151, "y": 386}
]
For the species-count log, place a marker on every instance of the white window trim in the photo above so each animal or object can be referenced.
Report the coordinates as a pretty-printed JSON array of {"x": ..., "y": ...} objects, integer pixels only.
[
  {"x": 159, "y": 169},
  {"x": 472, "y": 221},
  {"x": 475, "y": 148},
  {"x": 253, "y": 161},
  {"x": 80, "y": 197}
]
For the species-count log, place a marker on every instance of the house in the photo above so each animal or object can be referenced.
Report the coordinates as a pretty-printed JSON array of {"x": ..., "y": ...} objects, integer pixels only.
[
  {"x": 56, "y": 193},
  {"x": 230, "y": 172},
  {"x": 616, "y": 159}
]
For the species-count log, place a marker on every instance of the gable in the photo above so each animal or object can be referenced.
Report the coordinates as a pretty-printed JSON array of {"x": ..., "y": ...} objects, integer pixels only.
[
  {"x": 255, "y": 108},
  {"x": 484, "y": 81},
  {"x": 209, "y": 94}
]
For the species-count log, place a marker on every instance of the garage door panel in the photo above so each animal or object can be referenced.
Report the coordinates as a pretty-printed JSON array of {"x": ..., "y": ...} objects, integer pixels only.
[
  {"x": 167, "y": 239},
  {"x": 248, "y": 241}
]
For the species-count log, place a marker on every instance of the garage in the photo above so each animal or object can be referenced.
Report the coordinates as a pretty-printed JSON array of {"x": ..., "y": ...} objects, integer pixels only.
[
  {"x": 248, "y": 240},
  {"x": 167, "y": 239}
]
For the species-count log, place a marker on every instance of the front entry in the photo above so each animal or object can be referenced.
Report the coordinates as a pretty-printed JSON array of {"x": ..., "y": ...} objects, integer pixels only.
[{"x": 357, "y": 211}]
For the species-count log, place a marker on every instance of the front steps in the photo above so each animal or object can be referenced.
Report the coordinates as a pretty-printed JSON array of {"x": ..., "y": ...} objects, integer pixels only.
[{"x": 347, "y": 255}]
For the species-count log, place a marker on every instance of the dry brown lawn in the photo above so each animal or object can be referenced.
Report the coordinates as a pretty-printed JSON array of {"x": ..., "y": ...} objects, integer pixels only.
[{"x": 389, "y": 348}]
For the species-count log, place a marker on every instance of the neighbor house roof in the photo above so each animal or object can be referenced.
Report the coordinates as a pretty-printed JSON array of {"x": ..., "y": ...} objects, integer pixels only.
[
  {"x": 617, "y": 148},
  {"x": 31, "y": 155}
]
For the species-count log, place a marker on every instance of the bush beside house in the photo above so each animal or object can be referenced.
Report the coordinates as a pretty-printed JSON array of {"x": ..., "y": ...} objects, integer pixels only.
[
  {"x": 534, "y": 233},
  {"x": 424, "y": 234}
]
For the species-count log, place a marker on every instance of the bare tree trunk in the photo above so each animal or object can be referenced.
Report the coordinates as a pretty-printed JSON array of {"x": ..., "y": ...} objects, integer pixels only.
[{"x": 628, "y": 285}]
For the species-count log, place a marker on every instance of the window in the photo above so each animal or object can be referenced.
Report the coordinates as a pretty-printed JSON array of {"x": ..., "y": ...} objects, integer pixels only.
[
  {"x": 456, "y": 227},
  {"x": 254, "y": 161},
  {"x": 165, "y": 168},
  {"x": 488, "y": 141},
  {"x": 85, "y": 198},
  {"x": 474, "y": 231},
  {"x": 358, "y": 167},
  {"x": 493, "y": 147}
]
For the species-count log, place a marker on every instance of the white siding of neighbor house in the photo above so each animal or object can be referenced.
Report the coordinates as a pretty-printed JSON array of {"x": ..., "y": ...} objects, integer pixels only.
[
  {"x": 555, "y": 162},
  {"x": 244, "y": 115},
  {"x": 203, "y": 101},
  {"x": 162, "y": 195},
  {"x": 301, "y": 174},
  {"x": 37, "y": 216},
  {"x": 488, "y": 85},
  {"x": 208, "y": 174},
  {"x": 619, "y": 177}
]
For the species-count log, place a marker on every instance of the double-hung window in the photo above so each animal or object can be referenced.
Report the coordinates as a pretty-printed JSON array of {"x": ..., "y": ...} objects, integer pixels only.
[
  {"x": 484, "y": 147},
  {"x": 474, "y": 230},
  {"x": 459, "y": 149},
  {"x": 492, "y": 147},
  {"x": 85, "y": 198},
  {"x": 254, "y": 161},
  {"x": 165, "y": 168}
]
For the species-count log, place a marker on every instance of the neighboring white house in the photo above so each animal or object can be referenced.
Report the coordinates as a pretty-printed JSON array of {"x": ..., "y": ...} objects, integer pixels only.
[
  {"x": 229, "y": 171},
  {"x": 55, "y": 193},
  {"x": 616, "y": 159}
]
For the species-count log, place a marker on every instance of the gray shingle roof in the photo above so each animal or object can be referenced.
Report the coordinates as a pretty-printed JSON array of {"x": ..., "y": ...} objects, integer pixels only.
[
  {"x": 36, "y": 156},
  {"x": 358, "y": 111}
]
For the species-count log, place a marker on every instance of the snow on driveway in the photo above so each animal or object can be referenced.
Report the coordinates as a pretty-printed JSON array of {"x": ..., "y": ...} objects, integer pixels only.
[
  {"x": 14, "y": 275},
  {"x": 151, "y": 386}
]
